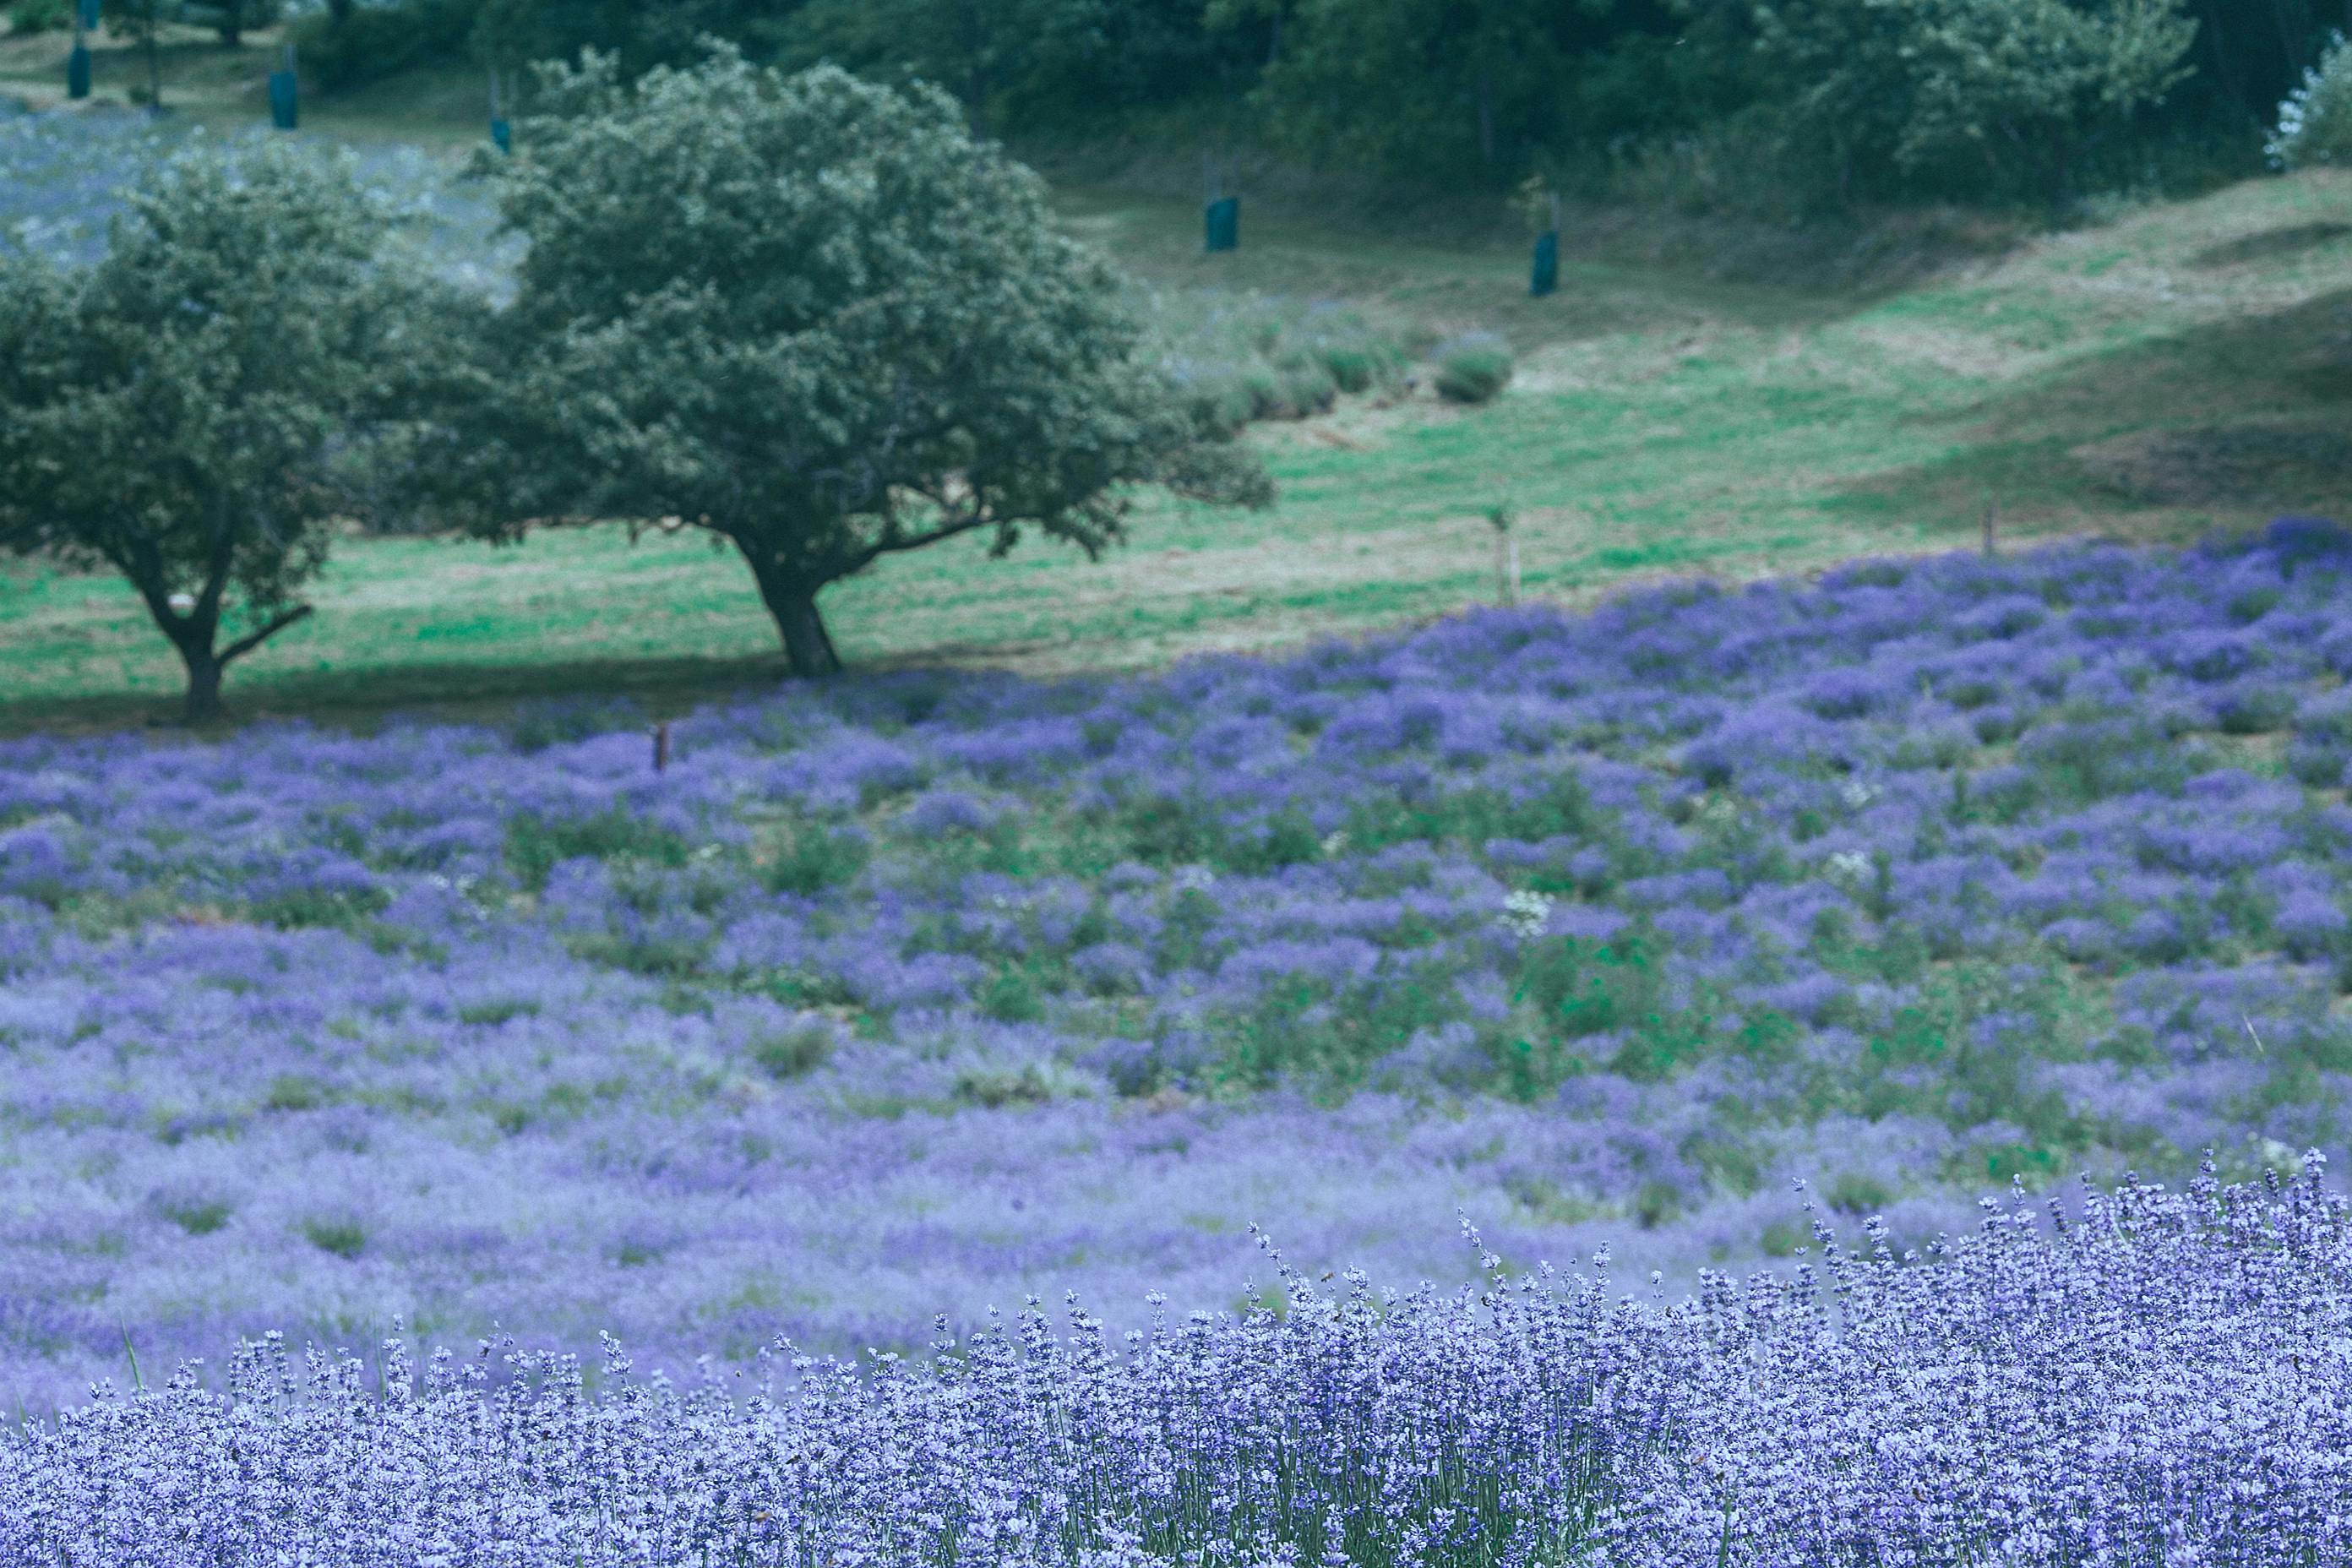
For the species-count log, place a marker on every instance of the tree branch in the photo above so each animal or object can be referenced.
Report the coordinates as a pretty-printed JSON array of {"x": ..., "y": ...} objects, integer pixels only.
[
  {"x": 867, "y": 556},
  {"x": 251, "y": 640}
]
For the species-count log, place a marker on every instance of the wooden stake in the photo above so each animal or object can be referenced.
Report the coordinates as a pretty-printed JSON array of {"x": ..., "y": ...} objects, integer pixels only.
[
  {"x": 661, "y": 746},
  {"x": 1507, "y": 554},
  {"x": 1991, "y": 523}
]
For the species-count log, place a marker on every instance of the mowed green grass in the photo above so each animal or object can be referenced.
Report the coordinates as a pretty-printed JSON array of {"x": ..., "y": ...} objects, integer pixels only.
[{"x": 2182, "y": 368}]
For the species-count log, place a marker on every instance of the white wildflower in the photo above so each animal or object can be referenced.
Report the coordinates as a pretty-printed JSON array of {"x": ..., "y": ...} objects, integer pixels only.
[
  {"x": 1525, "y": 913},
  {"x": 1850, "y": 866}
]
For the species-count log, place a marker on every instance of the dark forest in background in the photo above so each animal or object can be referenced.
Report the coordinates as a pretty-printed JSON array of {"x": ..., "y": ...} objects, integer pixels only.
[{"x": 1800, "y": 103}]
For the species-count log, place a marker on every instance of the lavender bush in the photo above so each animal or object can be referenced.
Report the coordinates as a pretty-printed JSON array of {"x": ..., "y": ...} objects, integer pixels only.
[
  {"x": 919, "y": 993},
  {"x": 2159, "y": 1378}
]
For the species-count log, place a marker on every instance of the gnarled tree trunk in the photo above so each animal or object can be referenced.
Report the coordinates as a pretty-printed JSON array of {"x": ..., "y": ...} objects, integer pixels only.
[
  {"x": 203, "y": 699},
  {"x": 791, "y": 602},
  {"x": 196, "y": 635},
  {"x": 192, "y": 636}
]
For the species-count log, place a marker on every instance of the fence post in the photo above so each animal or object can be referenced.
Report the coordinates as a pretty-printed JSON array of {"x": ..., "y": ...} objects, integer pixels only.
[
  {"x": 1545, "y": 276},
  {"x": 1221, "y": 213},
  {"x": 1506, "y": 553},
  {"x": 501, "y": 132},
  {"x": 78, "y": 63},
  {"x": 285, "y": 108}
]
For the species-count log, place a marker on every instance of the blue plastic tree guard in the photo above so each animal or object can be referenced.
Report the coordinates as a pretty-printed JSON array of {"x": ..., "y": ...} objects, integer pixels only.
[
  {"x": 284, "y": 111},
  {"x": 88, "y": 9},
  {"x": 502, "y": 135},
  {"x": 77, "y": 72},
  {"x": 1225, "y": 223},
  {"x": 1545, "y": 275}
]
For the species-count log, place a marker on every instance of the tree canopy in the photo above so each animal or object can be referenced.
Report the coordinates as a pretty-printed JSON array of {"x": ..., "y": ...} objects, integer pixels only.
[
  {"x": 190, "y": 410},
  {"x": 1969, "y": 93},
  {"x": 817, "y": 318}
]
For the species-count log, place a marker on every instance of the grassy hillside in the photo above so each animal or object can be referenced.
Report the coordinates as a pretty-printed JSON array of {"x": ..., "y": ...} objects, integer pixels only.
[{"x": 2175, "y": 369}]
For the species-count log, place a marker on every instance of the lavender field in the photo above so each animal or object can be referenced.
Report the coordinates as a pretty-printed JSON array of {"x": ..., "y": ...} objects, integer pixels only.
[
  {"x": 2045, "y": 1391},
  {"x": 919, "y": 994}
]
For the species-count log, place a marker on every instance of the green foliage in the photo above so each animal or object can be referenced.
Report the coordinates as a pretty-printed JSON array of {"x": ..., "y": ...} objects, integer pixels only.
[
  {"x": 2314, "y": 124},
  {"x": 1325, "y": 1037},
  {"x": 1012, "y": 996},
  {"x": 39, "y": 15},
  {"x": 1431, "y": 87},
  {"x": 793, "y": 1052},
  {"x": 656, "y": 956},
  {"x": 228, "y": 19},
  {"x": 1474, "y": 369},
  {"x": 997, "y": 1087},
  {"x": 289, "y": 1091},
  {"x": 537, "y": 845},
  {"x": 354, "y": 46},
  {"x": 490, "y": 1015},
  {"x": 343, "y": 1237},
  {"x": 309, "y": 907},
  {"x": 640, "y": 35},
  {"x": 1757, "y": 105},
  {"x": 1575, "y": 989},
  {"x": 814, "y": 856},
  {"x": 136, "y": 20},
  {"x": 983, "y": 51},
  {"x": 181, "y": 411},
  {"x": 817, "y": 318},
  {"x": 198, "y": 1217},
  {"x": 1471, "y": 816},
  {"x": 1857, "y": 1194},
  {"x": 1984, "y": 96}
]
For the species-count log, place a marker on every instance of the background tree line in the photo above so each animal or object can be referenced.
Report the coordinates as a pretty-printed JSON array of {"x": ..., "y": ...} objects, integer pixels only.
[{"x": 1828, "y": 99}]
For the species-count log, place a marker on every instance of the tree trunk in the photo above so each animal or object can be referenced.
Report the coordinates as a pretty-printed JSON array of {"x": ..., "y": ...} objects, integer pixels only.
[
  {"x": 792, "y": 602},
  {"x": 805, "y": 642},
  {"x": 203, "y": 699}
]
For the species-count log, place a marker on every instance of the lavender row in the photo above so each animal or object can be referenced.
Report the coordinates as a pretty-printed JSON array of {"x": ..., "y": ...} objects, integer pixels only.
[{"x": 2154, "y": 1377}]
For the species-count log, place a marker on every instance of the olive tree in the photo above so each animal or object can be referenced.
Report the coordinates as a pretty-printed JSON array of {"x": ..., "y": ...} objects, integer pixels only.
[
  {"x": 816, "y": 317},
  {"x": 184, "y": 410}
]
